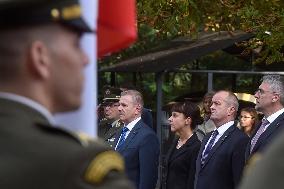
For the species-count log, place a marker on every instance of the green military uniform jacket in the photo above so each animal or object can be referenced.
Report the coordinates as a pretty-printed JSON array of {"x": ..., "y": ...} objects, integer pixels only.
[
  {"x": 36, "y": 155},
  {"x": 109, "y": 134}
]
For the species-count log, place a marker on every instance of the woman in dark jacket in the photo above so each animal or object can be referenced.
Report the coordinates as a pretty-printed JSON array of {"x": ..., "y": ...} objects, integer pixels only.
[{"x": 179, "y": 168}]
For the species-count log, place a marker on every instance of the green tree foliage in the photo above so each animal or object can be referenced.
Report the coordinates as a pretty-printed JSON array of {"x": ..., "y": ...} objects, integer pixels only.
[
  {"x": 171, "y": 18},
  {"x": 161, "y": 20}
]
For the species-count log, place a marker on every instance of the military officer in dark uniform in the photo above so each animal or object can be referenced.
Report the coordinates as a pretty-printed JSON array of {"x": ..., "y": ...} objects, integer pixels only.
[
  {"x": 41, "y": 73},
  {"x": 111, "y": 124}
]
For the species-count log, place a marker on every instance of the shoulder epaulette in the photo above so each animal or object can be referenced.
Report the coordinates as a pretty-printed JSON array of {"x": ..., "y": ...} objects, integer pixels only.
[{"x": 102, "y": 164}]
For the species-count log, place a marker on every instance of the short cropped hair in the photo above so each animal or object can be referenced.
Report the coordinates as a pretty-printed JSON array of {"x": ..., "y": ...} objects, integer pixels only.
[
  {"x": 188, "y": 109},
  {"x": 231, "y": 100},
  {"x": 136, "y": 96},
  {"x": 276, "y": 83}
]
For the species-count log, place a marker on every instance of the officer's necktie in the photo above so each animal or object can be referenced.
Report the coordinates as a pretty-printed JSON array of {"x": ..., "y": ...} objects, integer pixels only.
[
  {"x": 209, "y": 146},
  {"x": 122, "y": 137},
  {"x": 261, "y": 129}
]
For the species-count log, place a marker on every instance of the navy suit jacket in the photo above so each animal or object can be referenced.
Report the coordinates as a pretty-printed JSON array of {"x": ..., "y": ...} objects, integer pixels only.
[
  {"x": 225, "y": 162},
  {"x": 179, "y": 169},
  {"x": 141, "y": 154},
  {"x": 265, "y": 138},
  {"x": 147, "y": 117}
]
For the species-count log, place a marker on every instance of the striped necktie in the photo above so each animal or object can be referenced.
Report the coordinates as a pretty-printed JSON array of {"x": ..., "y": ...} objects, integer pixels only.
[
  {"x": 122, "y": 137},
  {"x": 261, "y": 129},
  {"x": 209, "y": 146}
]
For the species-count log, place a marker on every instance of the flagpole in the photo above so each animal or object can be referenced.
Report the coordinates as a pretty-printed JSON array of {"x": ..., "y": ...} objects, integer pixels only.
[{"x": 85, "y": 119}]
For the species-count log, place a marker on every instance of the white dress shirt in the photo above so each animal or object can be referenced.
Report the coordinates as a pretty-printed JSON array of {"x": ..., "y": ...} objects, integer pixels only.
[
  {"x": 221, "y": 130},
  {"x": 129, "y": 127},
  {"x": 272, "y": 117}
]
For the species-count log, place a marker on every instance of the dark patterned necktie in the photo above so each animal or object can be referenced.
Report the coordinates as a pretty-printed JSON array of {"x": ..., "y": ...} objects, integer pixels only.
[
  {"x": 209, "y": 146},
  {"x": 122, "y": 137},
  {"x": 261, "y": 129}
]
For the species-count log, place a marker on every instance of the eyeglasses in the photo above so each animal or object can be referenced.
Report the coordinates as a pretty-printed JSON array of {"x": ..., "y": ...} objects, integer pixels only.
[
  {"x": 261, "y": 91},
  {"x": 245, "y": 117}
]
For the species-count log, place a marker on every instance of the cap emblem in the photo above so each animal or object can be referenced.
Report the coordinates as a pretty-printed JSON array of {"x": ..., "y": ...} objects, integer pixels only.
[
  {"x": 107, "y": 92},
  {"x": 67, "y": 13},
  {"x": 71, "y": 12}
]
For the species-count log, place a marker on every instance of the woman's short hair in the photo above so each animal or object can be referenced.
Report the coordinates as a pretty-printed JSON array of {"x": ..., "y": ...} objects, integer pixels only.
[{"x": 188, "y": 109}]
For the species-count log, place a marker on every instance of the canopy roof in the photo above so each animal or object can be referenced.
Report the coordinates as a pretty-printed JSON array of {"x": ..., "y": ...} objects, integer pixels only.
[{"x": 180, "y": 51}]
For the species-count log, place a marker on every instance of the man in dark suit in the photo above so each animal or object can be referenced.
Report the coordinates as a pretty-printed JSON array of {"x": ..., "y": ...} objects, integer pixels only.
[
  {"x": 220, "y": 162},
  {"x": 111, "y": 124},
  {"x": 269, "y": 100},
  {"x": 137, "y": 142},
  {"x": 41, "y": 73}
]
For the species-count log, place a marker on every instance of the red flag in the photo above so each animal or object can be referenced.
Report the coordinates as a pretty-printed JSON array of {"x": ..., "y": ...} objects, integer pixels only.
[{"x": 117, "y": 26}]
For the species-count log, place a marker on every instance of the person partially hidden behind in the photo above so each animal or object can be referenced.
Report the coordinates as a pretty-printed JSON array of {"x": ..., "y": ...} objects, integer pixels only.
[
  {"x": 208, "y": 125},
  {"x": 137, "y": 142},
  {"x": 248, "y": 120},
  {"x": 41, "y": 73},
  {"x": 111, "y": 124},
  {"x": 179, "y": 168}
]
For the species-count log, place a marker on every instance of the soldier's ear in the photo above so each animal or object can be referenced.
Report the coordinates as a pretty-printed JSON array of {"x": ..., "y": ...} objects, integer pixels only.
[{"x": 39, "y": 61}]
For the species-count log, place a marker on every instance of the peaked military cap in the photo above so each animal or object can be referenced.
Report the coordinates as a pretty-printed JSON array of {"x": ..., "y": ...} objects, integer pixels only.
[
  {"x": 17, "y": 13},
  {"x": 111, "y": 95}
]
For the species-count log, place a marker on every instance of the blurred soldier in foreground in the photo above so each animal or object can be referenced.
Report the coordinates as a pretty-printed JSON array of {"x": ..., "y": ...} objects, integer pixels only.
[
  {"x": 41, "y": 73},
  {"x": 269, "y": 170},
  {"x": 111, "y": 124}
]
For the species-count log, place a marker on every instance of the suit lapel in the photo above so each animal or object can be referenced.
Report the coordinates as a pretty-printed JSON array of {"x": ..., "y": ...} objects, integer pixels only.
[
  {"x": 273, "y": 126},
  {"x": 184, "y": 148},
  {"x": 204, "y": 142},
  {"x": 172, "y": 148},
  {"x": 219, "y": 143},
  {"x": 131, "y": 136}
]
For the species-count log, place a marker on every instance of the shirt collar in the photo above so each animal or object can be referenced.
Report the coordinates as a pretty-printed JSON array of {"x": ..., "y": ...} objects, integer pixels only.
[
  {"x": 223, "y": 128},
  {"x": 272, "y": 117},
  {"x": 30, "y": 103},
  {"x": 132, "y": 123}
]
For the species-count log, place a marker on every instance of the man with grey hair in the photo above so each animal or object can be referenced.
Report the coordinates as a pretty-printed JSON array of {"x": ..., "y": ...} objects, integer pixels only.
[
  {"x": 137, "y": 142},
  {"x": 220, "y": 162},
  {"x": 269, "y": 100}
]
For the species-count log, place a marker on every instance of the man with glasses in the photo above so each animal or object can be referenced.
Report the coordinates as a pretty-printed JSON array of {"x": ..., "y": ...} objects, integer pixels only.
[
  {"x": 111, "y": 124},
  {"x": 269, "y": 100}
]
